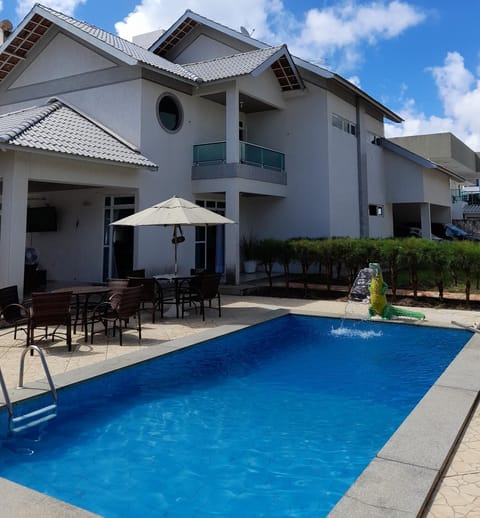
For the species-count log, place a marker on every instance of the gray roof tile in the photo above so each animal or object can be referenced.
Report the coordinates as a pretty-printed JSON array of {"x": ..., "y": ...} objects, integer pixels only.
[
  {"x": 231, "y": 66},
  {"x": 58, "y": 128},
  {"x": 130, "y": 49}
]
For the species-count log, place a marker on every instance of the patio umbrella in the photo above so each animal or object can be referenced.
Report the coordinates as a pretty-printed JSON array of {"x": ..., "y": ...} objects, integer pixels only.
[{"x": 174, "y": 212}]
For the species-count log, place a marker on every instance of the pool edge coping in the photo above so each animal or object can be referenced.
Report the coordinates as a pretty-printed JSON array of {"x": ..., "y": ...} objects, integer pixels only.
[
  {"x": 403, "y": 476},
  {"x": 388, "y": 477}
]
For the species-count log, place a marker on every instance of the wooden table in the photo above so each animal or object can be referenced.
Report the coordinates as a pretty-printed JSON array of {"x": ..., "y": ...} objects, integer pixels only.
[{"x": 81, "y": 309}]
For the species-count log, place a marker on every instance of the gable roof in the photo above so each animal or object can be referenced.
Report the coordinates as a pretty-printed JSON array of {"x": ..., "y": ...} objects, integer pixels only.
[
  {"x": 190, "y": 20},
  {"x": 187, "y": 22},
  {"x": 40, "y": 19},
  {"x": 57, "y": 127},
  {"x": 253, "y": 62}
]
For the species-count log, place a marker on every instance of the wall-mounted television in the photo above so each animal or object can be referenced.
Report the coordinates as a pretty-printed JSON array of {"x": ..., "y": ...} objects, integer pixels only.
[{"x": 41, "y": 219}]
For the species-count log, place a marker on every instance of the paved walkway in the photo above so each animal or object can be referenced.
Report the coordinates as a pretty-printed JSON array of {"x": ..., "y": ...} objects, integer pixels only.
[{"x": 458, "y": 493}]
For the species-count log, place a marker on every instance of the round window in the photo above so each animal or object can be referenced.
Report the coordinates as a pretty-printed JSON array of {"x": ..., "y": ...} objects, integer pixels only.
[{"x": 169, "y": 113}]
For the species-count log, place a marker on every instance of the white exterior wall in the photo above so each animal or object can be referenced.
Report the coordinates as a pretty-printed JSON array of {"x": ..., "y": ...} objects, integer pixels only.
[
  {"x": 203, "y": 121},
  {"x": 300, "y": 132},
  {"x": 117, "y": 106},
  {"x": 203, "y": 49},
  {"x": 264, "y": 87},
  {"x": 56, "y": 61},
  {"x": 343, "y": 171},
  {"x": 73, "y": 252},
  {"x": 437, "y": 187},
  {"x": 404, "y": 180},
  {"x": 380, "y": 226}
]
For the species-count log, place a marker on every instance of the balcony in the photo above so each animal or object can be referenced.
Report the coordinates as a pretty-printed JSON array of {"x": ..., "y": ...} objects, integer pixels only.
[{"x": 256, "y": 163}]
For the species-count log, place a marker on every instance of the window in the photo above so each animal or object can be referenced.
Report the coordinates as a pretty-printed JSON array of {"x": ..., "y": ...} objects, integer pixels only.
[
  {"x": 344, "y": 124},
  {"x": 169, "y": 112},
  {"x": 375, "y": 210},
  {"x": 210, "y": 241}
]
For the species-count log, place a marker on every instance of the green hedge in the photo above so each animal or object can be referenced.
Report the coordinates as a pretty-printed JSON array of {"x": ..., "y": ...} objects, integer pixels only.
[{"x": 419, "y": 262}]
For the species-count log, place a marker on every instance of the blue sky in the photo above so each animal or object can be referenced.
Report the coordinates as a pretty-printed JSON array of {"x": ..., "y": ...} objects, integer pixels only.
[{"x": 418, "y": 57}]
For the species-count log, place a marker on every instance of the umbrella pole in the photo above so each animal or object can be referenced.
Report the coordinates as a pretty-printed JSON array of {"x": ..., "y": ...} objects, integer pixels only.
[{"x": 175, "y": 247}]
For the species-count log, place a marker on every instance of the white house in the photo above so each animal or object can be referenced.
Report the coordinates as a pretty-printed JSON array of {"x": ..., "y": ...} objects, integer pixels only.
[{"x": 95, "y": 127}]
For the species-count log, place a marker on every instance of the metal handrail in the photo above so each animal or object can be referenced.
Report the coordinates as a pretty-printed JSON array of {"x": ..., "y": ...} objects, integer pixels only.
[
  {"x": 45, "y": 368},
  {"x": 5, "y": 394}
]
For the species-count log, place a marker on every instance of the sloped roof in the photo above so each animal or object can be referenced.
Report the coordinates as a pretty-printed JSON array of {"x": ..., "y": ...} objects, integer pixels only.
[
  {"x": 187, "y": 22},
  {"x": 58, "y": 128},
  {"x": 190, "y": 20},
  {"x": 41, "y": 19},
  {"x": 255, "y": 61},
  {"x": 37, "y": 23},
  {"x": 418, "y": 159}
]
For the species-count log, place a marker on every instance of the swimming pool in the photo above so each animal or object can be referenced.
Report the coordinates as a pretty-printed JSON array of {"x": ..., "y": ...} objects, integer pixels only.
[{"x": 278, "y": 419}]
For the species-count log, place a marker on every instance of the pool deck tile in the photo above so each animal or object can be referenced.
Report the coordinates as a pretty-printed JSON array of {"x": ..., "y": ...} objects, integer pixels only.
[
  {"x": 425, "y": 439},
  {"x": 21, "y": 503},
  {"x": 399, "y": 488},
  {"x": 395, "y": 484}
]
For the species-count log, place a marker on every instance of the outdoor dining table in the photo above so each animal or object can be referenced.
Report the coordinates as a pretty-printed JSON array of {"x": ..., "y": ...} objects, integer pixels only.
[
  {"x": 81, "y": 307},
  {"x": 177, "y": 281}
]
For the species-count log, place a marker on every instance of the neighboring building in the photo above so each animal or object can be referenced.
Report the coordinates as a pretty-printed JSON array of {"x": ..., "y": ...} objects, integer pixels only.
[
  {"x": 449, "y": 151},
  {"x": 281, "y": 146}
]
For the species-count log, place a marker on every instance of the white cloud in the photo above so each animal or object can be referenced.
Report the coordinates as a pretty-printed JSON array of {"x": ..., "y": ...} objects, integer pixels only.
[
  {"x": 459, "y": 91},
  {"x": 150, "y": 15},
  {"x": 341, "y": 31},
  {"x": 334, "y": 35},
  {"x": 64, "y": 6}
]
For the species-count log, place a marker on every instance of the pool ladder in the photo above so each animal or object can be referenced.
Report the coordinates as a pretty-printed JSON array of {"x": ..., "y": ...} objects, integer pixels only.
[{"x": 22, "y": 422}]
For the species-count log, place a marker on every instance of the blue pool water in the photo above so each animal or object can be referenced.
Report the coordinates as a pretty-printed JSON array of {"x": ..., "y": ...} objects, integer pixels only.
[{"x": 276, "y": 420}]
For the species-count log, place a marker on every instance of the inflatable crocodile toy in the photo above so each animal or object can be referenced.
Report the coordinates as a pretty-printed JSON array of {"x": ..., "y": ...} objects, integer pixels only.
[{"x": 378, "y": 300}]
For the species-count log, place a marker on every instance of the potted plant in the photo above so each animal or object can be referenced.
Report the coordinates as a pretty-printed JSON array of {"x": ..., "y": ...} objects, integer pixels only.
[{"x": 248, "y": 249}]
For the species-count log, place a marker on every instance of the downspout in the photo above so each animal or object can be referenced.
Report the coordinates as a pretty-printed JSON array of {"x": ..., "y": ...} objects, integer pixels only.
[{"x": 362, "y": 171}]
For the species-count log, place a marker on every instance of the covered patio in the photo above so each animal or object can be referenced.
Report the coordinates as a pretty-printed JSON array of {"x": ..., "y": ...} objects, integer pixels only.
[{"x": 54, "y": 156}]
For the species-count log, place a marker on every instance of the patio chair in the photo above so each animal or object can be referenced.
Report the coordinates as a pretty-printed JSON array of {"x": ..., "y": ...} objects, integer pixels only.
[
  {"x": 117, "y": 285},
  {"x": 121, "y": 306},
  {"x": 11, "y": 311},
  {"x": 149, "y": 292},
  {"x": 200, "y": 289},
  {"x": 167, "y": 293},
  {"x": 50, "y": 309}
]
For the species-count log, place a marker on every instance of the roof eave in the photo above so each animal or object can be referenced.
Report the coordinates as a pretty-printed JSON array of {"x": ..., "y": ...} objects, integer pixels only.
[
  {"x": 282, "y": 51},
  {"x": 389, "y": 114},
  {"x": 418, "y": 159},
  {"x": 209, "y": 23},
  {"x": 27, "y": 149}
]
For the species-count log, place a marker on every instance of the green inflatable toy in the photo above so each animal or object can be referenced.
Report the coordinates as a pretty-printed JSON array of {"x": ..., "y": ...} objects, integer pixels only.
[{"x": 378, "y": 301}]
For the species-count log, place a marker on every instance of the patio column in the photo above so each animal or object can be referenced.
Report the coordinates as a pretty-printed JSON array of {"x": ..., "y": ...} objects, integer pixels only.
[
  {"x": 13, "y": 228},
  {"x": 232, "y": 122},
  {"x": 426, "y": 221},
  {"x": 232, "y": 238}
]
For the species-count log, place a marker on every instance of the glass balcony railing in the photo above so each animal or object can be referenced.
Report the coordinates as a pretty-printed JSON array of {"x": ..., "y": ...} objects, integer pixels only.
[
  {"x": 261, "y": 156},
  {"x": 212, "y": 153},
  {"x": 215, "y": 152}
]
